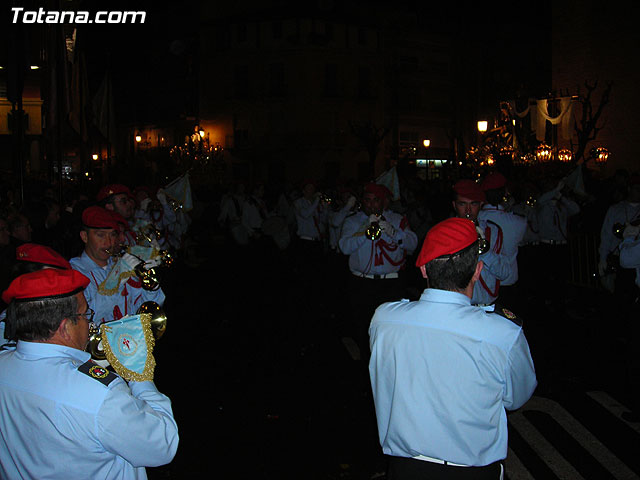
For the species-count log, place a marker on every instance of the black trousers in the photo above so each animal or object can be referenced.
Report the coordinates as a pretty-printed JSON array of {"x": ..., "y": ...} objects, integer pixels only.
[{"x": 401, "y": 468}]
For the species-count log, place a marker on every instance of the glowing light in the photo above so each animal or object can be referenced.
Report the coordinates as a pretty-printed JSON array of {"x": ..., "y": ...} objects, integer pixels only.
[
  {"x": 138, "y": 138},
  {"x": 426, "y": 142},
  {"x": 482, "y": 126},
  {"x": 543, "y": 153},
  {"x": 565, "y": 155},
  {"x": 94, "y": 156}
]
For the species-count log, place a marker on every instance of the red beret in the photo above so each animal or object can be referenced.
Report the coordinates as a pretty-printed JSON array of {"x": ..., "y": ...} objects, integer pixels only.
[
  {"x": 447, "y": 237},
  {"x": 113, "y": 189},
  {"x": 119, "y": 218},
  {"x": 493, "y": 180},
  {"x": 98, "y": 217},
  {"x": 32, "y": 252},
  {"x": 469, "y": 189},
  {"x": 379, "y": 191},
  {"x": 47, "y": 283}
]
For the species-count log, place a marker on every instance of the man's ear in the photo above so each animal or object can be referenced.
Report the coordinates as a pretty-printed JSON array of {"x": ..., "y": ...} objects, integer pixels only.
[
  {"x": 423, "y": 270},
  {"x": 63, "y": 329},
  {"x": 84, "y": 236},
  {"x": 476, "y": 274}
]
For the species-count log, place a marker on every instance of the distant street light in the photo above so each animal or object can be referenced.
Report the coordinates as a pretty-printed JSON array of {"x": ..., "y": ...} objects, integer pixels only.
[
  {"x": 426, "y": 142},
  {"x": 482, "y": 126}
]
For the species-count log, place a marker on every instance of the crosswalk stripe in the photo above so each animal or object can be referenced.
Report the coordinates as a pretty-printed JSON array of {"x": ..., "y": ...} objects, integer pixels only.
[
  {"x": 613, "y": 406},
  {"x": 574, "y": 428},
  {"x": 556, "y": 462},
  {"x": 515, "y": 469}
]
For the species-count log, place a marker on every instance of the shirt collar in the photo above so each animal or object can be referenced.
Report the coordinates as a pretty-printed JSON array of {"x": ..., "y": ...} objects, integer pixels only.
[
  {"x": 37, "y": 349},
  {"x": 487, "y": 206},
  {"x": 444, "y": 296}
]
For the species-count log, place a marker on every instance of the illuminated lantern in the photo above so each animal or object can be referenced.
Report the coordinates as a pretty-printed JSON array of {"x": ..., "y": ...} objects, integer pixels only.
[
  {"x": 543, "y": 153},
  {"x": 565, "y": 155},
  {"x": 600, "y": 155}
]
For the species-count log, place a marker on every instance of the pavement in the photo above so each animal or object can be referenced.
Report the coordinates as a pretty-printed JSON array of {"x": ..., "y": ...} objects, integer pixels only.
[{"x": 266, "y": 383}]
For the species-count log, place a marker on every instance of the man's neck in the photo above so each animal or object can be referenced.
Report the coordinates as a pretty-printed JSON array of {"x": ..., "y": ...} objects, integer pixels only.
[{"x": 97, "y": 261}]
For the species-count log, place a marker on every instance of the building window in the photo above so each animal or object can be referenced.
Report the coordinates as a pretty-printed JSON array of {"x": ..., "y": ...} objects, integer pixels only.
[
  {"x": 241, "y": 32},
  {"x": 276, "y": 30},
  {"x": 276, "y": 80},
  {"x": 364, "y": 82},
  {"x": 241, "y": 81},
  {"x": 331, "y": 87}
]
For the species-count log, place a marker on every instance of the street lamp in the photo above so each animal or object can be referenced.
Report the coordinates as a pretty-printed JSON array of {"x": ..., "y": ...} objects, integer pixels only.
[
  {"x": 426, "y": 142},
  {"x": 482, "y": 126}
]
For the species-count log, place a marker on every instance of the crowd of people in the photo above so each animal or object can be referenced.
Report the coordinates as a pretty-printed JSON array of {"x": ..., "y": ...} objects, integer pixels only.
[{"x": 481, "y": 246}]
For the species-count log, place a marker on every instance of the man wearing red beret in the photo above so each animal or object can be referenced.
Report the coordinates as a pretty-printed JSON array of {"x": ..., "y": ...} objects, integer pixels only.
[
  {"x": 512, "y": 228},
  {"x": 118, "y": 198},
  {"x": 468, "y": 201},
  {"x": 100, "y": 235},
  {"x": 443, "y": 371},
  {"x": 61, "y": 415},
  {"x": 377, "y": 241}
]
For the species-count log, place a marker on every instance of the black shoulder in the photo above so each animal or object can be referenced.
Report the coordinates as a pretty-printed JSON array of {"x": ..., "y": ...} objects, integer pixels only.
[
  {"x": 508, "y": 314},
  {"x": 97, "y": 372}
]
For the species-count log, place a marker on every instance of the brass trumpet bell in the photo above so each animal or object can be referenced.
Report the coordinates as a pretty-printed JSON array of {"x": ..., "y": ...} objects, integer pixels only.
[
  {"x": 93, "y": 347},
  {"x": 158, "y": 318},
  {"x": 374, "y": 231},
  {"x": 148, "y": 278},
  {"x": 167, "y": 258},
  {"x": 158, "y": 327}
]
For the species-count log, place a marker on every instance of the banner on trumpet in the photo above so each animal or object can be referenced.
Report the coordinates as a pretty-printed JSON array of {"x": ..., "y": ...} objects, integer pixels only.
[{"x": 128, "y": 346}]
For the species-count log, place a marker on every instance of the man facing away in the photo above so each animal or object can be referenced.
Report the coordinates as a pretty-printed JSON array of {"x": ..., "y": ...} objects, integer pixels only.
[
  {"x": 61, "y": 415},
  {"x": 443, "y": 371}
]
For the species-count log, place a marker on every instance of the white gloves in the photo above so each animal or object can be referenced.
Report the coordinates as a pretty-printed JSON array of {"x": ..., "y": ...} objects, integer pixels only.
[
  {"x": 130, "y": 260},
  {"x": 387, "y": 228},
  {"x": 161, "y": 196},
  {"x": 373, "y": 218},
  {"x": 145, "y": 203}
]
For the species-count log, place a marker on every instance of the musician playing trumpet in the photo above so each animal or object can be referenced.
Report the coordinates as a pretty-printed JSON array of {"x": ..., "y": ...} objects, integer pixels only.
[
  {"x": 467, "y": 203},
  {"x": 83, "y": 420},
  {"x": 110, "y": 300},
  {"x": 377, "y": 241}
]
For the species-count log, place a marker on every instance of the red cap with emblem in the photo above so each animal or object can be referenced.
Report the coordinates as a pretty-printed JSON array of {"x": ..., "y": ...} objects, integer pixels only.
[
  {"x": 378, "y": 190},
  {"x": 446, "y": 238},
  {"x": 469, "y": 189},
  {"x": 47, "y": 283},
  {"x": 113, "y": 189},
  {"x": 98, "y": 217},
  {"x": 32, "y": 252},
  {"x": 493, "y": 180}
]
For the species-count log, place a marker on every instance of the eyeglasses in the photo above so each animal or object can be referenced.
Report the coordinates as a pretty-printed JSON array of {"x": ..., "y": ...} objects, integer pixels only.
[{"x": 88, "y": 315}]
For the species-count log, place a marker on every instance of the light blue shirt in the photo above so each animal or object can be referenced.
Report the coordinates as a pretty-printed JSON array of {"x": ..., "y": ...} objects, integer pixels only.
[
  {"x": 126, "y": 301},
  {"x": 60, "y": 423},
  {"x": 630, "y": 255},
  {"x": 376, "y": 257},
  {"x": 554, "y": 211},
  {"x": 513, "y": 230},
  {"x": 496, "y": 266},
  {"x": 311, "y": 218},
  {"x": 442, "y": 373},
  {"x": 621, "y": 212}
]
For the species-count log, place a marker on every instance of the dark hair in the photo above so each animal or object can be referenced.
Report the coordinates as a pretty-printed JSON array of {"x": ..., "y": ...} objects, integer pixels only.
[
  {"x": 495, "y": 195},
  {"x": 38, "y": 320},
  {"x": 453, "y": 272}
]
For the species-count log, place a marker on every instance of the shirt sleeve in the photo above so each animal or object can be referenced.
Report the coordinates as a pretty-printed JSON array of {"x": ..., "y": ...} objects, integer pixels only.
[
  {"x": 136, "y": 423},
  {"x": 521, "y": 377},
  {"x": 630, "y": 253},
  {"x": 350, "y": 242}
]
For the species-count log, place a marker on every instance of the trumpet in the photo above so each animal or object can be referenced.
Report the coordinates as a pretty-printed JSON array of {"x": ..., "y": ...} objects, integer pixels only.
[
  {"x": 531, "y": 201},
  {"x": 325, "y": 198},
  {"x": 483, "y": 245},
  {"x": 148, "y": 277},
  {"x": 374, "y": 231},
  {"x": 158, "y": 327}
]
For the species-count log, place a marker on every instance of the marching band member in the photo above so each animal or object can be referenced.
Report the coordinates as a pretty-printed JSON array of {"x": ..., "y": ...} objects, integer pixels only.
[
  {"x": 621, "y": 213},
  {"x": 377, "y": 241},
  {"x": 512, "y": 226},
  {"x": 118, "y": 198},
  {"x": 468, "y": 200},
  {"x": 111, "y": 294},
  {"x": 61, "y": 415}
]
